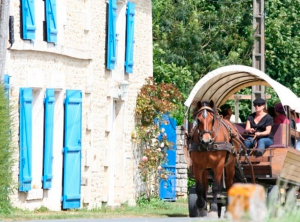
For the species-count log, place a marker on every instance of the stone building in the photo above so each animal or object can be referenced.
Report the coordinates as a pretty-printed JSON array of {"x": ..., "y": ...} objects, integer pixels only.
[{"x": 76, "y": 67}]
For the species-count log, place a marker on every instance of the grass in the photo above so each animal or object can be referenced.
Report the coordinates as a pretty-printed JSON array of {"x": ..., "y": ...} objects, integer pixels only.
[
  {"x": 144, "y": 208},
  {"x": 154, "y": 208}
]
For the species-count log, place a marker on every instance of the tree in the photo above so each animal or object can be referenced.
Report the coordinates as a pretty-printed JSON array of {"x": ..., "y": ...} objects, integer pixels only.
[
  {"x": 283, "y": 42},
  {"x": 193, "y": 37},
  {"x": 197, "y": 36}
]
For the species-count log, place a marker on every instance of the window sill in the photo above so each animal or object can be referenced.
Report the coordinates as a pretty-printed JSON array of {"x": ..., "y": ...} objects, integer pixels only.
[{"x": 41, "y": 46}]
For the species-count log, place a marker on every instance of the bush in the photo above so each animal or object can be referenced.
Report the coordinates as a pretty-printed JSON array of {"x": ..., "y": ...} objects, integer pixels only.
[{"x": 6, "y": 153}]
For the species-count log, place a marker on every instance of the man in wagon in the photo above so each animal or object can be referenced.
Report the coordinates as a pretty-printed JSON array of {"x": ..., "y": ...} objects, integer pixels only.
[
  {"x": 258, "y": 128},
  {"x": 226, "y": 112}
]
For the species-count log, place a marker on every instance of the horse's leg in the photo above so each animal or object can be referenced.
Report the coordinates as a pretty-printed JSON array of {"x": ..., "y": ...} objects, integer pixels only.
[
  {"x": 203, "y": 211},
  {"x": 201, "y": 203},
  {"x": 205, "y": 183},
  {"x": 230, "y": 171},
  {"x": 216, "y": 185}
]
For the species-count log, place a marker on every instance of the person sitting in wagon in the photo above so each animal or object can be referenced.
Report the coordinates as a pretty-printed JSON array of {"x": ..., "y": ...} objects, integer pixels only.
[
  {"x": 258, "y": 128},
  {"x": 226, "y": 111},
  {"x": 280, "y": 115}
]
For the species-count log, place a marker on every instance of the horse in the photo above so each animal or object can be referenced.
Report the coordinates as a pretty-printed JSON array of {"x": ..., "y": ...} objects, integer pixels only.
[{"x": 215, "y": 144}]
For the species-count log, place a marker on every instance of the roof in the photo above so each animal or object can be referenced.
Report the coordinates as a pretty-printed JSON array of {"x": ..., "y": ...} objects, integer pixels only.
[{"x": 219, "y": 84}]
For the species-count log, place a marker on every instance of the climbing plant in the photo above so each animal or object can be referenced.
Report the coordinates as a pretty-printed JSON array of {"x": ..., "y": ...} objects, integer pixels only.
[{"x": 153, "y": 101}]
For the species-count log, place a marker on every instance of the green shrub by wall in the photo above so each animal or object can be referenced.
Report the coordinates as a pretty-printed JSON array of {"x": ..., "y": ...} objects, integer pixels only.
[{"x": 6, "y": 152}]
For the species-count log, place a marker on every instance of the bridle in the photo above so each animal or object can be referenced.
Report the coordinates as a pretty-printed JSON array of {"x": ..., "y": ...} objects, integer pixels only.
[{"x": 204, "y": 110}]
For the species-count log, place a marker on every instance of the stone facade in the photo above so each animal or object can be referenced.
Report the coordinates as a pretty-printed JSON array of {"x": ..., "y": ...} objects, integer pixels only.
[
  {"x": 181, "y": 166},
  {"x": 78, "y": 61}
]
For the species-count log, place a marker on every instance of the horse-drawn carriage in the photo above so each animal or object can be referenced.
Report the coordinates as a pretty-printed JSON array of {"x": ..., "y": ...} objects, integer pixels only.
[{"x": 213, "y": 144}]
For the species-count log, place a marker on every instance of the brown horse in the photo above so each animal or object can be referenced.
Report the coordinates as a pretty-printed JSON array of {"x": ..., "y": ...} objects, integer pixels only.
[{"x": 214, "y": 145}]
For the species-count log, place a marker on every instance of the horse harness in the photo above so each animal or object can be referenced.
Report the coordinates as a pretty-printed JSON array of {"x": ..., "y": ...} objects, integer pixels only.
[
  {"x": 218, "y": 146},
  {"x": 212, "y": 146}
]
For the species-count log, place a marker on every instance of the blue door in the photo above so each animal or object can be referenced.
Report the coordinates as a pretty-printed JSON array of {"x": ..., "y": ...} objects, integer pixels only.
[
  {"x": 168, "y": 187},
  {"x": 72, "y": 150}
]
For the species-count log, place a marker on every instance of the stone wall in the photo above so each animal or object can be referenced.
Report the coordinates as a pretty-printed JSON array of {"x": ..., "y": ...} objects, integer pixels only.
[{"x": 181, "y": 166}]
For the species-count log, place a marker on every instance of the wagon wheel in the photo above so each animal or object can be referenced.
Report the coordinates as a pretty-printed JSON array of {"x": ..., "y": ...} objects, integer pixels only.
[{"x": 193, "y": 209}]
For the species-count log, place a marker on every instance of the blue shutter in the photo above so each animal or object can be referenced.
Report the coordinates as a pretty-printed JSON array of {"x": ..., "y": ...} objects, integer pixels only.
[
  {"x": 25, "y": 138},
  {"x": 72, "y": 150},
  {"x": 129, "y": 37},
  {"x": 48, "y": 144},
  {"x": 51, "y": 23},
  {"x": 6, "y": 81},
  {"x": 28, "y": 19},
  {"x": 111, "y": 35}
]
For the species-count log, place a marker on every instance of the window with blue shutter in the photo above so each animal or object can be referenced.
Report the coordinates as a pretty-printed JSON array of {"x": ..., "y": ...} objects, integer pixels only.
[
  {"x": 28, "y": 20},
  {"x": 25, "y": 175},
  {"x": 72, "y": 150},
  {"x": 129, "y": 37},
  {"x": 51, "y": 24},
  {"x": 111, "y": 34},
  {"x": 48, "y": 142}
]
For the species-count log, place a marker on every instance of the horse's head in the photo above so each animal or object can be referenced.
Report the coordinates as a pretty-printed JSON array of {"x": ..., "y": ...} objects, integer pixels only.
[{"x": 206, "y": 115}]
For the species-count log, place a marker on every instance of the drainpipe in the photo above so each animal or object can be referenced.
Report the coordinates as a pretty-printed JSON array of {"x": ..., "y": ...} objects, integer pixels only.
[{"x": 4, "y": 19}]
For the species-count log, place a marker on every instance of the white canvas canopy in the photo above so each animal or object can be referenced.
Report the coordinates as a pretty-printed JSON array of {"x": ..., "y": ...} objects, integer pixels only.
[{"x": 218, "y": 85}]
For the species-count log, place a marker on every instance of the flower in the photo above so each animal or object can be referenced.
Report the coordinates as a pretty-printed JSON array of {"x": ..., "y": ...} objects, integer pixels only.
[
  {"x": 162, "y": 145},
  {"x": 159, "y": 168},
  {"x": 163, "y": 130},
  {"x": 158, "y": 149},
  {"x": 144, "y": 158}
]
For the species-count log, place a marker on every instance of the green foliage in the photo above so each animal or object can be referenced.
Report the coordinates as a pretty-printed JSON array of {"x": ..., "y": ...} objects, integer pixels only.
[
  {"x": 193, "y": 37},
  {"x": 42, "y": 209},
  {"x": 199, "y": 36},
  {"x": 274, "y": 98},
  {"x": 179, "y": 76},
  {"x": 154, "y": 203},
  {"x": 6, "y": 153},
  {"x": 191, "y": 182},
  {"x": 156, "y": 99},
  {"x": 282, "y": 37}
]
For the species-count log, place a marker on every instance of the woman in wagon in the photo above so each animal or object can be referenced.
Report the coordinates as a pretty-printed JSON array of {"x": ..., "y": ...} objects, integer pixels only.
[
  {"x": 280, "y": 115},
  {"x": 258, "y": 128}
]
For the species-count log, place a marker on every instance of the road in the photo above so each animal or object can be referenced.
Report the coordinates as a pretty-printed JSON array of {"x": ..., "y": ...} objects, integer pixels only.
[{"x": 170, "y": 219}]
